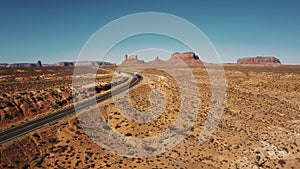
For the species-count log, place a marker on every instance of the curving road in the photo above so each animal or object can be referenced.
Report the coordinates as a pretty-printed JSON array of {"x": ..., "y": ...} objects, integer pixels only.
[{"x": 35, "y": 124}]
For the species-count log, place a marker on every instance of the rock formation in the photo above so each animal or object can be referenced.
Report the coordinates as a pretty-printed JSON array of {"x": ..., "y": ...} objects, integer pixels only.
[
  {"x": 131, "y": 60},
  {"x": 65, "y": 64},
  {"x": 157, "y": 61},
  {"x": 259, "y": 60},
  {"x": 39, "y": 64},
  {"x": 85, "y": 63},
  {"x": 92, "y": 63},
  {"x": 3, "y": 64},
  {"x": 22, "y": 65},
  {"x": 103, "y": 63},
  {"x": 189, "y": 58}
]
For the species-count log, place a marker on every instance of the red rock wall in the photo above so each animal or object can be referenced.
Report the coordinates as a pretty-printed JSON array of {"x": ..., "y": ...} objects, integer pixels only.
[{"x": 259, "y": 60}]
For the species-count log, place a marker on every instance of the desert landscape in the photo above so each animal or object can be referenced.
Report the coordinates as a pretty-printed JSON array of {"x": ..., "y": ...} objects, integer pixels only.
[
  {"x": 29, "y": 92},
  {"x": 149, "y": 84},
  {"x": 259, "y": 127}
]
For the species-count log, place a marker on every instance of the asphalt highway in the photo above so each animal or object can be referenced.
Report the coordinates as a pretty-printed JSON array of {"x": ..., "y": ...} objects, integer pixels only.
[{"x": 37, "y": 123}]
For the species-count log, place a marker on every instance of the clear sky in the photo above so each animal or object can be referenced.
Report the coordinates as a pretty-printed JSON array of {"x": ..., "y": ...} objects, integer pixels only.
[{"x": 56, "y": 30}]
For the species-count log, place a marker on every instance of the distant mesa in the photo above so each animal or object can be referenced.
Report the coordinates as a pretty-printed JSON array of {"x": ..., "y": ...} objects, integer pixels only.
[
  {"x": 76, "y": 63},
  {"x": 190, "y": 58},
  {"x": 38, "y": 64},
  {"x": 259, "y": 60},
  {"x": 92, "y": 63},
  {"x": 3, "y": 64},
  {"x": 85, "y": 63},
  {"x": 65, "y": 64}
]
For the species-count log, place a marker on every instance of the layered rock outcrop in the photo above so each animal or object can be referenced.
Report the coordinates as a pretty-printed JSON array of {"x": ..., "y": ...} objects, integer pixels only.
[
  {"x": 157, "y": 60},
  {"x": 190, "y": 58},
  {"x": 132, "y": 60},
  {"x": 259, "y": 60},
  {"x": 85, "y": 63}
]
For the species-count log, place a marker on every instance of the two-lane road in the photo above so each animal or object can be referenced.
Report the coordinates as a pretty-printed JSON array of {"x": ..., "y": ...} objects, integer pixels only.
[{"x": 35, "y": 124}]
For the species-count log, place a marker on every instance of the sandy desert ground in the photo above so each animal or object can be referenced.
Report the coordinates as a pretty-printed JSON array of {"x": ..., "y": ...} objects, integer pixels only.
[
  {"x": 259, "y": 127},
  {"x": 27, "y": 93}
]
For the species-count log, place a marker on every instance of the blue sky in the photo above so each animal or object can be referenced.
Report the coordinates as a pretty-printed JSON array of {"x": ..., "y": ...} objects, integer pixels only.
[{"x": 54, "y": 30}]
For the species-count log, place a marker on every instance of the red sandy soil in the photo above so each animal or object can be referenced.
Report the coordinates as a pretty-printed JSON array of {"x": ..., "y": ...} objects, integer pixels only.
[
  {"x": 27, "y": 93},
  {"x": 259, "y": 127}
]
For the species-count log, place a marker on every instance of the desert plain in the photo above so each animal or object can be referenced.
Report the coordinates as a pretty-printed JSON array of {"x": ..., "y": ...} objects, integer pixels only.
[{"x": 259, "y": 126}]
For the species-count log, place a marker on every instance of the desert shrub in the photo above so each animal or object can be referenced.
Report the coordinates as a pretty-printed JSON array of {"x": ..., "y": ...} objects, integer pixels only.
[
  {"x": 281, "y": 162},
  {"x": 17, "y": 161},
  {"x": 77, "y": 163},
  {"x": 55, "y": 106},
  {"x": 25, "y": 166},
  {"x": 42, "y": 142},
  {"x": 52, "y": 140},
  {"x": 60, "y": 167},
  {"x": 38, "y": 162},
  {"x": 128, "y": 134},
  {"x": 62, "y": 149},
  {"x": 75, "y": 122},
  {"x": 50, "y": 149},
  {"x": 39, "y": 98},
  {"x": 89, "y": 154},
  {"x": 36, "y": 135},
  {"x": 60, "y": 103}
]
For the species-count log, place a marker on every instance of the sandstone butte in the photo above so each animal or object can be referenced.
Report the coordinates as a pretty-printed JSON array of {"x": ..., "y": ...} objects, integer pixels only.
[
  {"x": 259, "y": 60},
  {"x": 190, "y": 58}
]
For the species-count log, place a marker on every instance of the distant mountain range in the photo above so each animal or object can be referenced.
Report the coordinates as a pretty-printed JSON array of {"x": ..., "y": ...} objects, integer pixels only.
[
  {"x": 189, "y": 58},
  {"x": 75, "y": 63}
]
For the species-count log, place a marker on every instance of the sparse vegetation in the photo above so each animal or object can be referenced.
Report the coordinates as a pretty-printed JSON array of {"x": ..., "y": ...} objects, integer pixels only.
[
  {"x": 52, "y": 140},
  {"x": 27, "y": 93},
  {"x": 257, "y": 129}
]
